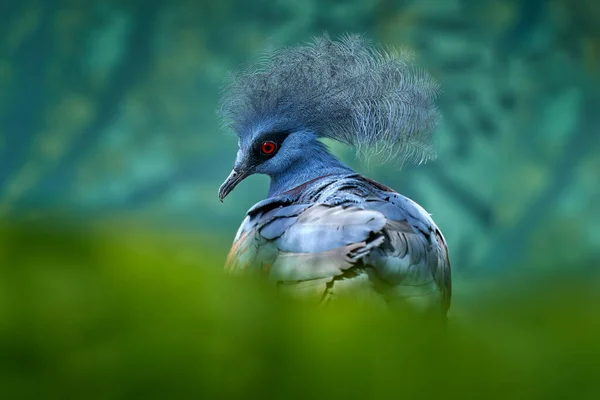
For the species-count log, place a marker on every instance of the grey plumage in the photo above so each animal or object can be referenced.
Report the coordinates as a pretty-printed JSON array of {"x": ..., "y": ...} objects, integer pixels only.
[
  {"x": 326, "y": 246},
  {"x": 366, "y": 97}
]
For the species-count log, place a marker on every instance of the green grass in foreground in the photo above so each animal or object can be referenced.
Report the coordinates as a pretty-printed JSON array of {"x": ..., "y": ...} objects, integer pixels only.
[{"x": 89, "y": 315}]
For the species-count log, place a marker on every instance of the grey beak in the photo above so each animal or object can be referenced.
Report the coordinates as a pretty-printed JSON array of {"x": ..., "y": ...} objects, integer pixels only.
[{"x": 235, "y": 177}]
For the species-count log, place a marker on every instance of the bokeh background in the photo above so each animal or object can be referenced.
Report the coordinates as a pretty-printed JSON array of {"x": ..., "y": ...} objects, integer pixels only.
[
  {"x": 107, "y": 118},
  {"x": 108, "y": 108}
]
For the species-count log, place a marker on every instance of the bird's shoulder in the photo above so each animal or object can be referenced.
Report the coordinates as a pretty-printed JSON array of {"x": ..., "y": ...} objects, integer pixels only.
[{"x": 413, "y": 260}]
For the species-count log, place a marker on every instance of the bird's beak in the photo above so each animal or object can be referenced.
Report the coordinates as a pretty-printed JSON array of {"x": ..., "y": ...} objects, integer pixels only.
[{"x": 236, "y": 176}]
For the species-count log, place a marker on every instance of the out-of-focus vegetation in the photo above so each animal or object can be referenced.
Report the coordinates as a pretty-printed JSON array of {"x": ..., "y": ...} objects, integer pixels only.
[{"x": 88, "y": 314}]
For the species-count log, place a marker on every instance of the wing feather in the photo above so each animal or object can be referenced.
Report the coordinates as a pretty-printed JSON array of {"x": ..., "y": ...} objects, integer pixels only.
[{"x": 393, "y": 249}]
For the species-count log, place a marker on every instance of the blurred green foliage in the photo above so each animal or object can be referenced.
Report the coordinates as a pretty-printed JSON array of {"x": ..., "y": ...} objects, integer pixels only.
[{"x": 88, "y": 312}]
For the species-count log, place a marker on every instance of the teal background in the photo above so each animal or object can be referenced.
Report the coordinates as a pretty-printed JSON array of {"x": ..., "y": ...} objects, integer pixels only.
[{"x": 107, "y": 109}]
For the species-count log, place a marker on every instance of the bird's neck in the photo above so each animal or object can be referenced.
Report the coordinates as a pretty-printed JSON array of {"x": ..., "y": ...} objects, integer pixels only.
[{"x": 316, "y": 163}]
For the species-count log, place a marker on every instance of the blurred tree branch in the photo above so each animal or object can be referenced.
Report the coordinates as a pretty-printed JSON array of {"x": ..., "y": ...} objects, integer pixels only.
[
  {"x": 27, "y": 105},
  {"x": 131, "y": 69},
  {"x": 187, "y": 171},
  {"x": 463, "y": 196},
  {"x": 510, "y": 243}
]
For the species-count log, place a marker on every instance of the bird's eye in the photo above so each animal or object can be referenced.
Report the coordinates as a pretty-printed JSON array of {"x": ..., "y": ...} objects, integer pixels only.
[{"x": 268, "y": 148}]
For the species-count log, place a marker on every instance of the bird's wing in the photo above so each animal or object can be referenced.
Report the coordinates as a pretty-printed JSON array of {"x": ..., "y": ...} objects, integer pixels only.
[
  {"x": 332, "y": 251},
  {"x": 303, "y": 247},
  {"x": 252, "y": 247},
  {"x": 414, "y": 258},
  {"x": 303, "y": 242}
]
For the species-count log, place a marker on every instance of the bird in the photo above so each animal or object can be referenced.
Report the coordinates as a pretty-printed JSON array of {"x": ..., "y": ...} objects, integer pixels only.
[{"x": 325, "y": 232}]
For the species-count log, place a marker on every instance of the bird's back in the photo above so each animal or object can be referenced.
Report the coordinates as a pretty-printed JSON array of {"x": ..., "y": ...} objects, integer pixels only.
[{"x": 346, "y": 237}]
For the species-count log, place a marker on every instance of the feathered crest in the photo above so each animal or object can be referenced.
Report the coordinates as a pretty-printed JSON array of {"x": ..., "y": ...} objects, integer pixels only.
[{"x": 347, "y": 90}]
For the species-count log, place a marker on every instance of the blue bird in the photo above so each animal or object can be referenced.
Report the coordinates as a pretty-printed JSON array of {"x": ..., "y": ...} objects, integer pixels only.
[{"x": 325, "y": 232}]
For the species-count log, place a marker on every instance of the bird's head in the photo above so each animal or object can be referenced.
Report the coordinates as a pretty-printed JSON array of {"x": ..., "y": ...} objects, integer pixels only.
[
  {"x": 347, "y": 90},
  {"x": 269, "y": 152}
]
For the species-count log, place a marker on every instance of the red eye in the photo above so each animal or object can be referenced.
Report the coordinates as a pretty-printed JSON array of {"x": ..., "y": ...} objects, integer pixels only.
[{"x": 268, "y": 148}]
